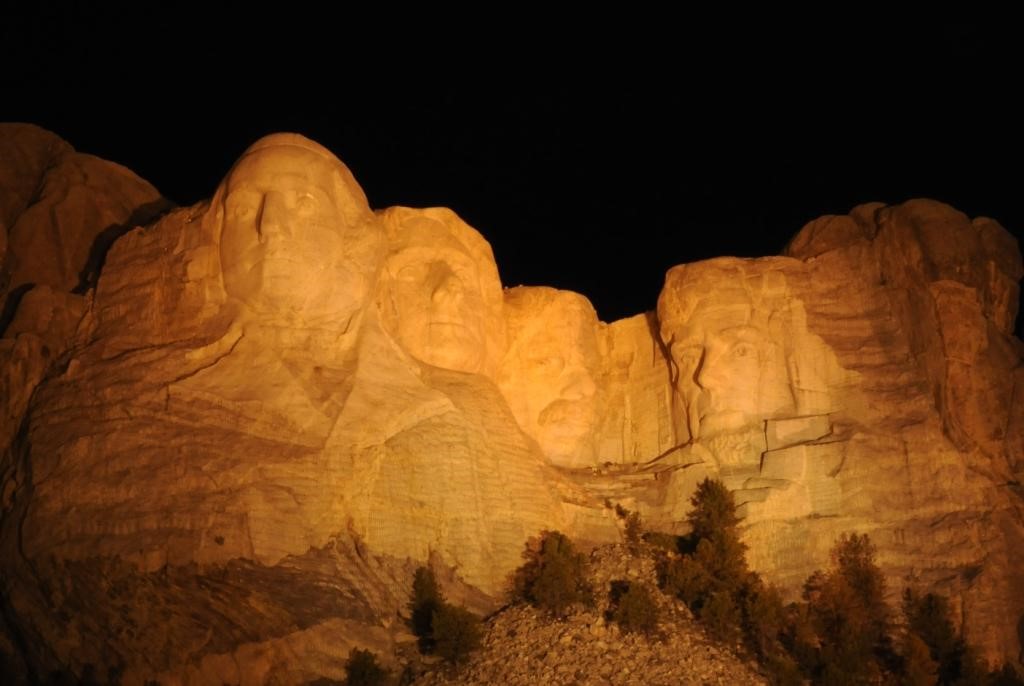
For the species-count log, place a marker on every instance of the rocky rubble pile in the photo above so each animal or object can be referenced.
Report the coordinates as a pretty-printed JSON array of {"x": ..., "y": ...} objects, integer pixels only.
[{"x": 524, "y": 646}]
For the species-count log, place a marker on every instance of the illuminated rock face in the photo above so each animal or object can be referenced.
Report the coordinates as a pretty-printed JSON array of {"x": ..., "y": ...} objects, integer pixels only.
[
  {"x": 275, "y": 404},
  {"x": 298, "y": 243},
  {"x": 217, "y": 412},
  {"x": 59, "y": 212},
  {"x": 59, "y": 209},
  {"x": 550, "y": 371},
  {"x": 440, "y": 296},
  {"x": 864, "y": 383}
]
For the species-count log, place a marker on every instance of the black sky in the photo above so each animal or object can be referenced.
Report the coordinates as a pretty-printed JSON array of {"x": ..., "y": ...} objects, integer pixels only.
[{"x": 592, "y": 161}]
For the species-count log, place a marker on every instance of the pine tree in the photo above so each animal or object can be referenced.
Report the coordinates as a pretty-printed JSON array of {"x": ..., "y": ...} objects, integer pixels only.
[
  {"x": 457, "y": 633},
  {"x": 636, "y": 610},
  {"x": 362, "y": 669},
  {"x": 919, "y": 669},
  {"x": 848, "y": 612},
  {"x": 553, "y": 576},
  {"x": 714, "y": 510},
  {"x": 426, "y": 599}
]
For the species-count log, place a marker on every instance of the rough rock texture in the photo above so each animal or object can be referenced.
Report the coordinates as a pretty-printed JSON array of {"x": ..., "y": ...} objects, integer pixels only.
[
  {"x": 550, "y": 372},
  {"x": 589, "y": 393},
  {"x": 523, "y": 646},
  {"x": 216, "y": 409},
  {"x": 865, "y": 382},
  {"x": 59, "y": 212},
  {"x": 273, "y": 405}
]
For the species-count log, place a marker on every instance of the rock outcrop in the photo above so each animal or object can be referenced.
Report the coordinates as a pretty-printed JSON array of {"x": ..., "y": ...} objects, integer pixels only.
[
  {"x": 843, "y": 388},
  {"x": 224, "y": 458},
  {"x": 59, "y": 212},
  {"x": 523, "y": 646}
]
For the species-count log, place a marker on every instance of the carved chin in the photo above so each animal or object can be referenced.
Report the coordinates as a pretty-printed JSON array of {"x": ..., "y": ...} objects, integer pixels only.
[{"x": 447, "y": 345}]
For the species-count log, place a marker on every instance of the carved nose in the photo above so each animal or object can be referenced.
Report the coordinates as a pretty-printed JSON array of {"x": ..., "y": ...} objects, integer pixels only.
[
  {"x": 578, "y": 387},
  {"x": 448, "y": 291},
  {"x": 273, "y": 217},
  {"x": 709, "y": 371}
]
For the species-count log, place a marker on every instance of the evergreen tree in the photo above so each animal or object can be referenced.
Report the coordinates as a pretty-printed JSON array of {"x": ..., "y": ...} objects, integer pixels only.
[
  {"x": 553, "y": 576},
  {"x": 362, "y": 669},
  {"x": 721, "y": 616},
  {"x": 929, "y": 617},
  {"x": 635, "y": 610},
  {"x": 763, "y": 617},
  {"x": 457, "y": 633},
  {"x": 714, "y": 510},
  {"x": 854, "y": 558},
  {"x": 919, "y": 669},
  {"x": 426, "y": 599},
  {"x": 718, "y": 563},
  {"x": 849, "y": 615}
]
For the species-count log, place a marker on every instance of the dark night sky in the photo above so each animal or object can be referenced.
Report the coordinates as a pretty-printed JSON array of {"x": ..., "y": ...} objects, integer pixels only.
[{"x": 593, "y": 165}]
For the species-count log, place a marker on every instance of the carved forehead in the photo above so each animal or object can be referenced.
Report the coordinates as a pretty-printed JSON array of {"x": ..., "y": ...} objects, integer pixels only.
[
  {"x": 692, "y": 288},
  {"x": 290, "y": 161},
  {"x": 285, "y": 166},
  {"x": 434, "y": 233},
  {"x": 433, "y": 228},
  {"x": 294, "y": 159},
  {"x": 718, "y": 294},
  {"x": 292, "y": 140},
  {"x": 527, "y": 305},
  {"x": 539, "y": 314}
]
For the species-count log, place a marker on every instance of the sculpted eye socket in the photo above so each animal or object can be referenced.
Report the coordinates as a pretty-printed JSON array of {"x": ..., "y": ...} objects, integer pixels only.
[
  {"x": 412, "y": 273},
  {"x": 689, "y": 357},
  {"x": 306, "y": 204},
  {"x": 744, "y": 350},
  {"x": 242, "y": 205},
  {"x": 553, "y": 364},
  {"x": 241, "y": 211}
]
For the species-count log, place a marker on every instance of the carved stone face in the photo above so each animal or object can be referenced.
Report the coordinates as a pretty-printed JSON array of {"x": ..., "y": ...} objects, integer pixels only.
[
  {"x": 440, "y": 319},
  {"x": 730, "y": 336},
  {"x": 442, "y": 295},
  {"x": 298, "y": 242},
  {"x": 549, "y": 370}
]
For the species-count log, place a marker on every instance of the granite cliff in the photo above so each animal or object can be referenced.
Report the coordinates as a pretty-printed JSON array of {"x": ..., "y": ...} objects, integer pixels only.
[{"x": 227, "y": 444}]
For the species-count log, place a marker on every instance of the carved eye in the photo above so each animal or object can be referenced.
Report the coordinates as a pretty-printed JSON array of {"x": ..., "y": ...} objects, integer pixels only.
[
  {"x": 241, "y": 211},
  {"x": 689, "y": 357},
  {"x": 744, "y": 350},
  {"x": 305, "y": 205},
  {"x": 549, "y": 364},
  {"x": 412, "y": 273}
]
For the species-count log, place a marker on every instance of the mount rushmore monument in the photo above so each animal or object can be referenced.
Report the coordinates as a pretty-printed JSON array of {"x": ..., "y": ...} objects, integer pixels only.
[{"x": 229, "y": 436}]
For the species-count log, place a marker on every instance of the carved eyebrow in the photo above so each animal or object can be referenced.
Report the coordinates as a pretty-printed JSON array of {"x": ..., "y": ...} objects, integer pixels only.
[
  {"x": 688, "y": 343},
  {"x": 243, "y": 192},
  {"x": 312, "y": 191},
  {"x": 744, "y": 333}
]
